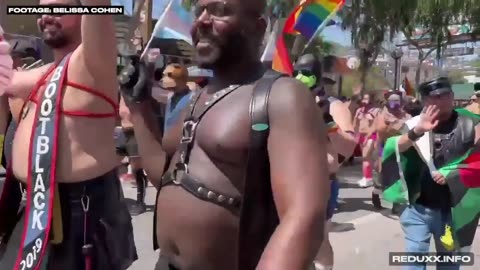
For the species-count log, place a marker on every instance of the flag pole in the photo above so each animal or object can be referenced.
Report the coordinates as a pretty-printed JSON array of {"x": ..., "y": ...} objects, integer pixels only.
[
  {"x": 157, "y": 25},
  {"x": 272, "y": 40},
  {"x": 322, "y": 26},
  {"x": 134, "y": 23}
]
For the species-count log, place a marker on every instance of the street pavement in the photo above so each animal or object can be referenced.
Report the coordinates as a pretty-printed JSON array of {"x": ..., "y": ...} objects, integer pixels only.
[{"x": 361, "y": 236}]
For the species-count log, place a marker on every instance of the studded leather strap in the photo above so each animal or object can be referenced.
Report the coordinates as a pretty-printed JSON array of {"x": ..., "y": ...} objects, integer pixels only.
[{"x": 201, "y": 191}]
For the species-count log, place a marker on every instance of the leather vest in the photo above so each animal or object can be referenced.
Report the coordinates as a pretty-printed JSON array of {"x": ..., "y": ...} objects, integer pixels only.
[{"x": 450, "y": 146}]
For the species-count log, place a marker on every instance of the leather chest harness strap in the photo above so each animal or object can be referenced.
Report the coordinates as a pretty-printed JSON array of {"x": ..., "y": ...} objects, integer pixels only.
[{"x": 180, "y": 175}]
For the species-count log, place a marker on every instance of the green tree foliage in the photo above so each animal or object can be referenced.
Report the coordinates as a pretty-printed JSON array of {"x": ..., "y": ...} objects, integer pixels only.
[
  {"x": 456, "y": 77},
  {"x": 434, "y": 17},
  {"x": 374, "y": 81}
]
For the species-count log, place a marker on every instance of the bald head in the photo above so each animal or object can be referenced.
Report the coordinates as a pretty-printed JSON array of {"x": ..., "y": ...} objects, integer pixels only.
[{"x": 228, "y": 31}]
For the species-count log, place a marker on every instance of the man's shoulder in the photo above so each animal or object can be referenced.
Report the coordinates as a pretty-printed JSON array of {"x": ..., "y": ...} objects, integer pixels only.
[
  {"x": 289, "y": 91},
  {"x": 289, "y": 96}
]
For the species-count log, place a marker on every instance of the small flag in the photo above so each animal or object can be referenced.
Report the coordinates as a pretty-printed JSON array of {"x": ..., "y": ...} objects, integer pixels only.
[
  {"x": 314, "y": 15},
  {"x": 174, "y": 23},
  {"x": 292, "y": 20},
  {"x": 281, "y": 60}
]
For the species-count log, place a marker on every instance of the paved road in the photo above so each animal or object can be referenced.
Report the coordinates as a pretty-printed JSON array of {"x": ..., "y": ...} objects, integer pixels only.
[{"x": 361, "y": 238}]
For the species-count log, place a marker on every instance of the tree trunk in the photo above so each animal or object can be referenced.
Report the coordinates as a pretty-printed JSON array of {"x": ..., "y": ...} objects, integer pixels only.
[
  {"x": 418, "y": 72},
  {"x": 363, "y": 79}
]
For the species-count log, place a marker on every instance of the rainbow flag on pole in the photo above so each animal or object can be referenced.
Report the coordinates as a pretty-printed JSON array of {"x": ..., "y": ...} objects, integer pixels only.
[
  {"x": 307, "y": 19},
  {"x": 315, "y": 15}
]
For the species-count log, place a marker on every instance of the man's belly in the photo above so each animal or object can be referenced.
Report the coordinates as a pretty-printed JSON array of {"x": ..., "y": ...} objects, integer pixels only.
[
  {"x": 85, "y": 148},
  {"x": 194, "y": 234}
]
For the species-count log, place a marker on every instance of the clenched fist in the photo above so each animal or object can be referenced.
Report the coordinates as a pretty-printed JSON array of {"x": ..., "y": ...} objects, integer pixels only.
[{"x": 135, "y": 84}]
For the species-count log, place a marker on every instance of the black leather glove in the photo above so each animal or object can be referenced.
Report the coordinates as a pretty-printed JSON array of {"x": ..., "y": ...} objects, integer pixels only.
[{"x": 134, "y": 80}]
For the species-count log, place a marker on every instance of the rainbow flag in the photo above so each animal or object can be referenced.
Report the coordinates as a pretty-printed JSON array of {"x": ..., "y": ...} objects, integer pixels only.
[
  {"x": 292, "y": 20},
  {"x": 281, "y": 59},
  {"x": 315, "y": 14}
]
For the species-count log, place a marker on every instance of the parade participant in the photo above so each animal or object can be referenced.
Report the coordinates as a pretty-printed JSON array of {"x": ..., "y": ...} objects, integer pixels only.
[
  {"x": 364, "y": 128},
  {"x": 389, "y": 122},
  {"x": 175, "y": 78},
  {"x": 215, "y": 209},
  {"x": 135, "y": 169},
  {"x": 438, "y": 175},
  {"x": 341, "y": 141},
  {"x": 65, "y": 134}
]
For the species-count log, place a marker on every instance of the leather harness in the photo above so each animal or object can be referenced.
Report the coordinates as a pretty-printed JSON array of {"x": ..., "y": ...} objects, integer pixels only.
[{"x": 180, "y": 174}]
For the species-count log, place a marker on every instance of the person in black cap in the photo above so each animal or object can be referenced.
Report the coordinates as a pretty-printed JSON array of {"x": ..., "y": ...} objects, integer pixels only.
[
  {"x": 429, "y": 211},
  {"x": 341, "y": 141}
]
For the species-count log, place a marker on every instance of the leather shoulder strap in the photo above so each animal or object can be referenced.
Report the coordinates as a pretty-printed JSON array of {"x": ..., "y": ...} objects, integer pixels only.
[
  {"x": 258, "y": 218},
  {"x": 259, "y": 108},
  {"x": 467, "y": 126}
]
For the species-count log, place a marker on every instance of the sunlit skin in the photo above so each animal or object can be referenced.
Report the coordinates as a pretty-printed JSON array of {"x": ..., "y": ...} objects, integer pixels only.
[
  {"x": 228, "y": 44},
  {"x": 90, "y": 65}
]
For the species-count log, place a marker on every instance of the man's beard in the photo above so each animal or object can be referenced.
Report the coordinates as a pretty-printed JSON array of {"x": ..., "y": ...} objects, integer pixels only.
[
  {"x": 232, "y": 49},
  {"x": 55, "y": 40}
]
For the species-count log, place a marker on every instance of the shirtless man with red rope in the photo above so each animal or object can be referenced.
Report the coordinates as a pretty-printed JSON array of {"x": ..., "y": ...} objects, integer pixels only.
[{"x": 74, "y": 216}]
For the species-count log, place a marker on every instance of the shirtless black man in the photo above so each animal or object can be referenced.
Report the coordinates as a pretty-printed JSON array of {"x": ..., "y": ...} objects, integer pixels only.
[{"x": 242, "y": 189}]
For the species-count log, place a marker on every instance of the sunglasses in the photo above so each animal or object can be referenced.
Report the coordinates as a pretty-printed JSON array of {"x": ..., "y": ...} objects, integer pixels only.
[
  {"x": 307, "y": 73},
  {"x": 217, "y": 10}
]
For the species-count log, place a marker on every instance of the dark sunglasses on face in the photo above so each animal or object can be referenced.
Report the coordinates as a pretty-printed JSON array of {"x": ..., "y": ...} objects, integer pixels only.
[
  {"x": 219, "y": 9},
  {"x": 303, "y": 72}
]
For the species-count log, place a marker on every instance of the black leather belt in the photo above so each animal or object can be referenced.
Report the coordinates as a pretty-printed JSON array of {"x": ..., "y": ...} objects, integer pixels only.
[{"x": 200, "y": 191}]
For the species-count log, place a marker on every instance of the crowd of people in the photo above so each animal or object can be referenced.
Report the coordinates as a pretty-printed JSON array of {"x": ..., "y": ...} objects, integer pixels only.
[{"x": 244, "y": 163}]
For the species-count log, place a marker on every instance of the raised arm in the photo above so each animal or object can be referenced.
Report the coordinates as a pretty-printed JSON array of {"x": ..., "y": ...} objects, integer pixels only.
[
  {"x": 99, "y": 43},
  {"x": 299, "y": 175}
]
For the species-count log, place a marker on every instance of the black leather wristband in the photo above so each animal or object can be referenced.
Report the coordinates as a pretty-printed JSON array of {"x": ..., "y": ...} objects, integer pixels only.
[{"x": 412, "y": 136}]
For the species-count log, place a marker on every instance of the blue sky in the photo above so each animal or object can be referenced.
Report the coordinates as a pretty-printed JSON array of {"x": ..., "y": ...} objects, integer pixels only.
[
  {"x": 331, "y": 33},
  {"x": 335, "y": 33},
  {"x": 158, "y": 6}
]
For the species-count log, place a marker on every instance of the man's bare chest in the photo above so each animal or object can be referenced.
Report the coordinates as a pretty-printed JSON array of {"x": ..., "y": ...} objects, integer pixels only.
[{"x": 222, "y": 133}]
